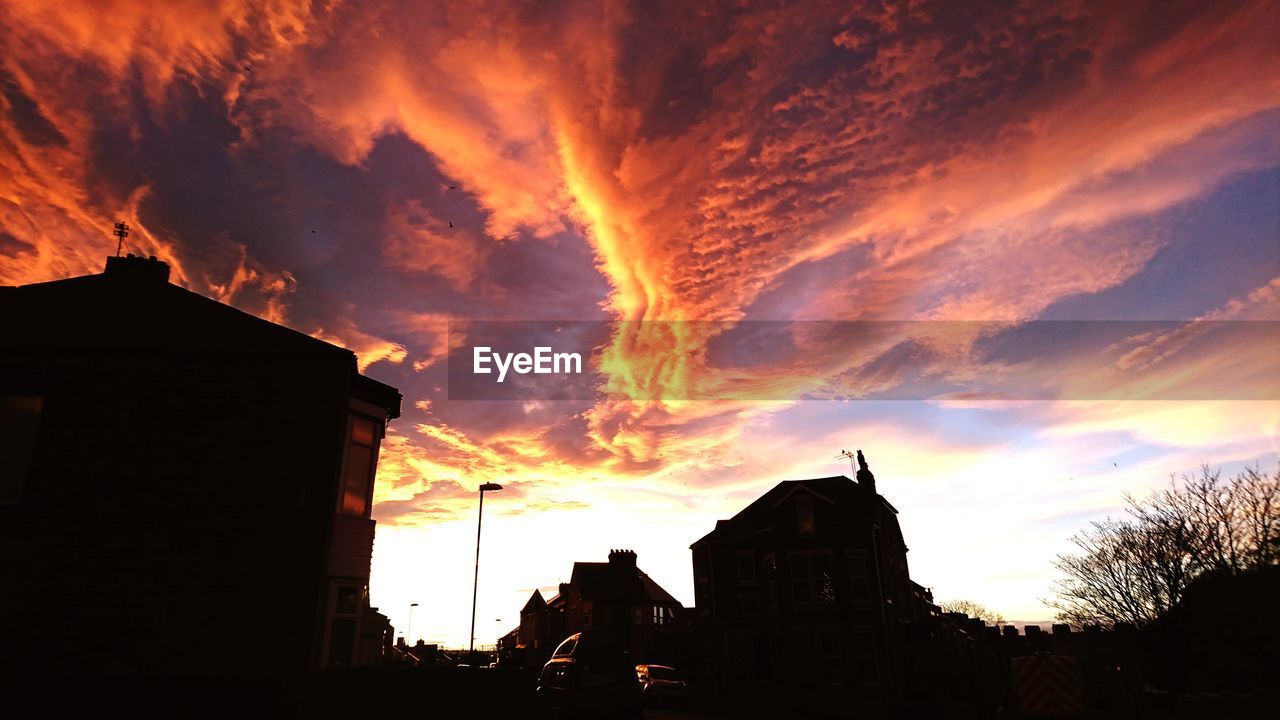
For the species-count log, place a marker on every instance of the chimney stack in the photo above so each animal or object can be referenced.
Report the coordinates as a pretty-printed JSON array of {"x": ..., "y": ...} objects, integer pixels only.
[
  {"x": 135, "y": 268},
  {"x": 865, "y": 478},
  {"x": 623, "y": 558}
]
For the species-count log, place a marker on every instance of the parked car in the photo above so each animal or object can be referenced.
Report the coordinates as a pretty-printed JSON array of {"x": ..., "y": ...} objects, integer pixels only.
[
  {"x": 589, "y": 674},
  {"x": 659, "y": 683}
]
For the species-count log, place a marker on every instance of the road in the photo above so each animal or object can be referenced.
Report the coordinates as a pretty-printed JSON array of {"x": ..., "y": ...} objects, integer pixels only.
[{"x": 673, "y": 714}]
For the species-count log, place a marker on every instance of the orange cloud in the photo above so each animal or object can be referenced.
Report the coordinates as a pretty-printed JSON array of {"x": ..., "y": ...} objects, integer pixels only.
[{"x": 877, "y": 163}]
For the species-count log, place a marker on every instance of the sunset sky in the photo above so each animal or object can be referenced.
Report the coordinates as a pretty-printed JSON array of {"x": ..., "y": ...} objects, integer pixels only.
[{"x": 367, "y": 172}]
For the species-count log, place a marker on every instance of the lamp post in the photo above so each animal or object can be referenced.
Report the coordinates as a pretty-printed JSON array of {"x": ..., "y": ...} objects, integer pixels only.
[
  {"x": 475, "y": 587},
  {"x": 408, "y": 631}
]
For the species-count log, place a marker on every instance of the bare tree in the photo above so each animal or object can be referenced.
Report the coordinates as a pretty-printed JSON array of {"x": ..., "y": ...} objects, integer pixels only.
[
  {"x": 973, "y": 610},
  {"x": 1134, "y": 569},
  {"x": 1258, "y": 515}
]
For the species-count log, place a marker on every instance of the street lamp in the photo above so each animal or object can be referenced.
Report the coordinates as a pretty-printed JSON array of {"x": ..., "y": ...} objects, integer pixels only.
[
  {"x": 408, "y": 631},
  {"x": 497, "y": 623},
  {"x": 491, "y": 487}
]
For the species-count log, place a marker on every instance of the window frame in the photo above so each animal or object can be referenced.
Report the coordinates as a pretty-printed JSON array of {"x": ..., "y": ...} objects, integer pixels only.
[
  {"x": 378, "y": 432},
  {"x": 810, "y": 581},
  {"x": 805, "y": 529},
  {"x": 26, "y": 437},
  {"x": 771, "y": 581},
  {"x": 858, "y": 656},
  {"x": 855, "y": 559},
  {"x": 749, "y": 556}
]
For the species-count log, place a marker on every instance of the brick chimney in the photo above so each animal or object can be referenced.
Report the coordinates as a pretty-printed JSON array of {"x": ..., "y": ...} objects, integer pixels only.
[
  {"x": 135, "y": 268},
  {"x": 623, "y": 558}
]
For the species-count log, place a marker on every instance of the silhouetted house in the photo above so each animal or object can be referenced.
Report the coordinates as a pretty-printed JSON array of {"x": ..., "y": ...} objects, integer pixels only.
[
  {"x": 543, "y": 624},
  {"x": 508, "y": 651},
  {"x": 534, "y": 633},
  {"x": 615, "y": 596},
  {"x": 184, "y": 488},
  {"x": 376, "y": 638},
  {"x": 805, "y": 594}
]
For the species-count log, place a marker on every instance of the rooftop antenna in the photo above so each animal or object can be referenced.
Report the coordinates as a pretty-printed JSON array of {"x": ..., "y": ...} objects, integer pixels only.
[
  {"x": 850, "y": 456},
  {"x": 122, "y": 232}
]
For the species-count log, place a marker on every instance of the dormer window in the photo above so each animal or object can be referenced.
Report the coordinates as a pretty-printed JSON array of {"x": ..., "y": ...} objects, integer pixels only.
[{"x": 804, "y": 515}]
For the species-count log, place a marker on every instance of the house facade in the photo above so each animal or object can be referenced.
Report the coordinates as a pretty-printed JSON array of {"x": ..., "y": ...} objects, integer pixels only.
[
  {"x": 806, "y": 594},
  {"x": 615, "y": 596},
  {"x": 185, "y": 488}
]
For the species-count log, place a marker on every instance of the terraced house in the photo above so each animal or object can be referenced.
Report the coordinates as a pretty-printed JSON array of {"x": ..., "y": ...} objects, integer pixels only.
[{"x": 185, "y": 488}]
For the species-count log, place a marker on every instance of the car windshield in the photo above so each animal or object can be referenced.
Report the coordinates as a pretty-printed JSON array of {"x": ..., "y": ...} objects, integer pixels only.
[
  {"x": 566, "y": 647},
  {"x": 662, "y": 673}
]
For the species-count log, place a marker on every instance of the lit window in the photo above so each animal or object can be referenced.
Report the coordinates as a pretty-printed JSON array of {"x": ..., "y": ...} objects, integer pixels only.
[
  {"x": 804, "y": 515},
  {"x": 19, "y": 418},
  {"x": 361, "y": 461}
]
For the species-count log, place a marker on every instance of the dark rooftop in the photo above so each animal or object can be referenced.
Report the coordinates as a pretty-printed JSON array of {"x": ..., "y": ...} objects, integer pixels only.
[{"x": 131, "y": 307}]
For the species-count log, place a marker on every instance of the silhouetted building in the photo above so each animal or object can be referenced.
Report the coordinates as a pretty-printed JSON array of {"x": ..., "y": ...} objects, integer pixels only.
[
  {"x": 805, "y": 595},
  {"x": 507, "y": 650},
  {"x": 376, "y": 638},
  {"x": 616, "y": 596},
  {"x": 184, "y": 488}
]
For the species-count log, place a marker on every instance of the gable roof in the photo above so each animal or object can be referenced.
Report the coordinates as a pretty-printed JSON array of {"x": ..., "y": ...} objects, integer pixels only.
[
  {"x": 600, "y": 581},
  {"x": 655, "y": 592},
  {"x": 838, "y": 490},
  {"x": 611, "y": 583},
  {"x": 534, "y": 604},
  {"x": 798, "y": 487},
  {"x": 133, "y": 308},
  {"x": 126, "y": 310}
]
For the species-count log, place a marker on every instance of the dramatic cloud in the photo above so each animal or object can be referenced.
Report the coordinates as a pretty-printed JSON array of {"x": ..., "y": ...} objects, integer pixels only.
[{"x": 370, "y": 172}]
